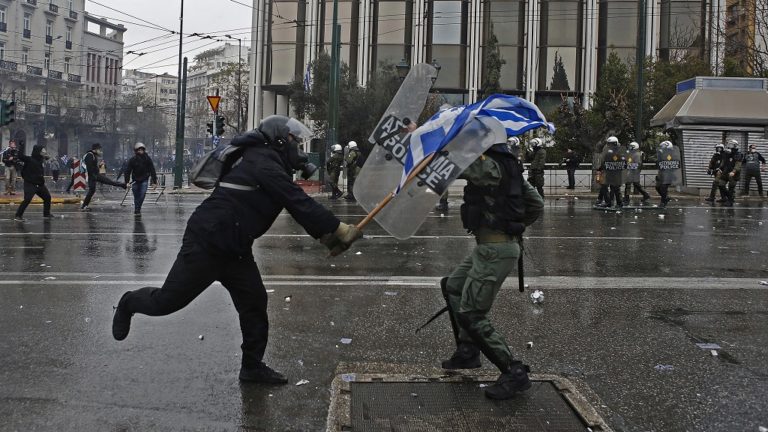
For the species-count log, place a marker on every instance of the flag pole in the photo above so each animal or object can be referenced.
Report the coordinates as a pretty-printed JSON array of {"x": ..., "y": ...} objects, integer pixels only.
[{"x": 416, "y": 171}]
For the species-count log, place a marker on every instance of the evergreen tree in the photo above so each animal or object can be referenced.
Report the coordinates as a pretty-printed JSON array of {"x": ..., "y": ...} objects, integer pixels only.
[
  {"x": 492, "y": 64},
  {"x": 559, "y": 75}
]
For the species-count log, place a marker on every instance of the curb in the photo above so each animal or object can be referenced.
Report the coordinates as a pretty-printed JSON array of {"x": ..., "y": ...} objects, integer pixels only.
[{"x": 37, "y": 200}]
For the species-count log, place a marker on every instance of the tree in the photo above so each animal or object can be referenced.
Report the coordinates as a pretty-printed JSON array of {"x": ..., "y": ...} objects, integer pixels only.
[
  {"x": 492, "y": 64},
  {"x": 572, "y": 132},
  {"x": 234, "y": 94},
  {"x": 559, "y": 75},
  {"x": 613, "y": 111}
]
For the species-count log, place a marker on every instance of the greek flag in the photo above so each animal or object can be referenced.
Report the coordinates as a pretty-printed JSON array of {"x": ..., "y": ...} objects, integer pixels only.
[
  {"x": 517, "y": 115},
  {"x": 307, "y": 80}
]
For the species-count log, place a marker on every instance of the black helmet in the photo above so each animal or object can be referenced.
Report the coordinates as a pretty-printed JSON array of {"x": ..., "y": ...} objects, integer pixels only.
[{"x": 277, "y": 128}]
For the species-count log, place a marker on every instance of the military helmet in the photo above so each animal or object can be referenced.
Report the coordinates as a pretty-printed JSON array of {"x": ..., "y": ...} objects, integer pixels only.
[
  {"x": 536, "y": 142},
  {"x": 634, "y": 145},
  {"x": 336, "y": 148},
  {"x": 352, "y": 145},
  {"x": 612, "y": 140}
]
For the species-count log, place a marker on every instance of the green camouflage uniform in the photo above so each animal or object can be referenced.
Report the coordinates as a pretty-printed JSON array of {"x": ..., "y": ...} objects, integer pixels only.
[
  {"x": 352, "y": 170},
  {"x": 536, "y": 171},
  {"x": 473, "y": 285},
  {"x": 333, "y": 167}
]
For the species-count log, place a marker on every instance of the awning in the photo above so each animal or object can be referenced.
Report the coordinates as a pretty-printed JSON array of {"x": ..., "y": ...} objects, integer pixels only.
[{"x": 714, "y": 107}]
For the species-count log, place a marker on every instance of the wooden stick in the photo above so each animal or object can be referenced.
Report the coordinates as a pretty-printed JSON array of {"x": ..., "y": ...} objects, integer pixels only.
[{"x": 416, "y": 171}]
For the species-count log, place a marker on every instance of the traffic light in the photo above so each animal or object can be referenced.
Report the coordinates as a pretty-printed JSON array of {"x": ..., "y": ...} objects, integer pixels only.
[
  {"x": 220, "y": 125},
  {"x": 7, "y": 113},
  {"x": 209, "y": 128}
]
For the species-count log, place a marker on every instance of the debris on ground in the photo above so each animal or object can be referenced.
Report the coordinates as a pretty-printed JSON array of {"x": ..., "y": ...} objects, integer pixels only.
[
  {"x": 270, "y": 291},
  {"x": 537, "y": 297},
  {"x": 708, "y": 346},
  {"x": 713, "y": 352},
  {"x": 664, "y": 368},
  {"x": 201, "y": 337},
  {"x": 302, "y": 382},
  {"x": 763, "y": 282},
  {"x": 529, "y": 345},
  {"x": 390, "y": 293},
  {"x": 287, "y": 299},
  {"x": 346, "y": 341},
  {"x": 348, "y": 377},
  {"x": 484, "y": 385}
]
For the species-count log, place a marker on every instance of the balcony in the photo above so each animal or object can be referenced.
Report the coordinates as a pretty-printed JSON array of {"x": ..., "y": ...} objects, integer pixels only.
[
  {"x": 72, "y": 15},
  {"x": 29, "y": 3},
  {"x": 52, "y": 8},
  {"x": 74, "y": 78},
  {"x": 54, "y": 74},
  {"x": 68, "y": 45},
  {"x": 34, "y": 70},
  {"x": 27, "y": 33},
  {"x": 3, "y": 27},
  {"x": 9, "y": 66},
  {"x": 33, "y": 108}
]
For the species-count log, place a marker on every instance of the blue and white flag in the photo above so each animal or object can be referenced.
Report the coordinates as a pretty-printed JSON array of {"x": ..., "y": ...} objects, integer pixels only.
[
  {"x": 307, "y": 79},
  {"x": 515, "y": 114}
]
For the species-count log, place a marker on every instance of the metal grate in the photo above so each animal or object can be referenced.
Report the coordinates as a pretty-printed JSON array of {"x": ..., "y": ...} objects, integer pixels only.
[{"x": 457, "y": 406}]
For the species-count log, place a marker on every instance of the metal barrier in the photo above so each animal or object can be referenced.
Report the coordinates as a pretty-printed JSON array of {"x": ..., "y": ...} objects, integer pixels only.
[{"x": 556, "y": 178}]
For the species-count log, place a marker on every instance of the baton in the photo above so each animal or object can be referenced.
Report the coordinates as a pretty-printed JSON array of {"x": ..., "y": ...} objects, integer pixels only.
[
  {"x": 124, "y": 197},
  {"x": 520, "y": 273}
]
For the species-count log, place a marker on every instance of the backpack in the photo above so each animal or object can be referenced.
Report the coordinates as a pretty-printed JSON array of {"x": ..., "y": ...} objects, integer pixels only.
[{"x": 215, "y": 164}]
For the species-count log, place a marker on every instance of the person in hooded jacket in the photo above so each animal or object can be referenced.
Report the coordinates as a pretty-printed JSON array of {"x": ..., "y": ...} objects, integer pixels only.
[
  {"x": 140, "y": 170},
  {"x": 217, "y": 244},
  {"x": 91, "y": 161},
  {"x": 34, "y": 182}
]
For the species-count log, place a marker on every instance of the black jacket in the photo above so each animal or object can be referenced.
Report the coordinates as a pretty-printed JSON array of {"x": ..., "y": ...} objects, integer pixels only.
[
  {"x": 142, "y": 168},
  {"x": 229, "y": 220},
  {"x": 33, "y": 167},
  {"x": 91, "y": 162},
  {"x": 10, "y": 157}
]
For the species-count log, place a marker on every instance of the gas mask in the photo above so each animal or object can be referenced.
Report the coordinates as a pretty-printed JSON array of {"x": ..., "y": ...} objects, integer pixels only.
[
  {"x": 286, "y": 135},
  {"x": 297, "y": 159}
]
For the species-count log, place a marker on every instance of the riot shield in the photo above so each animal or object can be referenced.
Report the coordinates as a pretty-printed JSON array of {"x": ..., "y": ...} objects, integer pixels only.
[
  {"x": 670, "y": 166},
  {"x": 384, "y": 166},
  {"x": 403, "y": 216},
  {"x": 634, "y": 164},
  {"x": 614, "y": 163}
]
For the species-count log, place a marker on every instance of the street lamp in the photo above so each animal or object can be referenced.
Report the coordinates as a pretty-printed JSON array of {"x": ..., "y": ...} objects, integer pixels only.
[
  {"x": 239, "y": 79},
  {"x": 47, "y": 78},
  {"x": 402, "y": 69}
]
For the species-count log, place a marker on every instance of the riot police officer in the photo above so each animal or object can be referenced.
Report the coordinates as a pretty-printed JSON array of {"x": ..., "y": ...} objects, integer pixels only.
[
  {"x": 753, "y": 162},
  {"x": 669, "y": 165},
  {"x": 613, "y": 167},
  {"x": 217, "y": 244},
  {"x": 634, "y": 165},
  {"x": 498, "y": 205},
  {"x": 333, "y": 167},
  {"x": 538, "y": 159},
  {"x": 730, "y": 172},
  {"x": 713, "y": 169},
  {"x": 353, "y": 162}
]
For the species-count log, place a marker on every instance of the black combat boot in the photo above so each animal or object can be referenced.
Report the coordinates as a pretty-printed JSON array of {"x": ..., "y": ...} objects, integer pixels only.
[
  {"x": 467, "y": 356},
  {"x": 121, "y": 321},
  {"x": 262, "y": 374},
  {"x": 514, "y": 380}
]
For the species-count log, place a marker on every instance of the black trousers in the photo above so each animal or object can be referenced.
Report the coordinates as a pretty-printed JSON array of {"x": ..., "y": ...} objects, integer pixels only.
[
  {"x": 30, "y": 190},
  {"x": 638, "y": 188},
  {"x": 92, "y": 186},
  {"x": 748, "y": 179},
  {"x": 571, "y": 177},
  {"x": 663, "y": 190},
  {"x": 194, "y": 270}
]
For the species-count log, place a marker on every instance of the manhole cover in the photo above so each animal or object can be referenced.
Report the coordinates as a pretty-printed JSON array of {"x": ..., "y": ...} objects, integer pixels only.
[{"x": 373, "y": 403}]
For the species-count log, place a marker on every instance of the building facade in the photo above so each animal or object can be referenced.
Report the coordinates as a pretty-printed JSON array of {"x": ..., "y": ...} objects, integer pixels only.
[
  {"x": 51, "y": 54},
  {"x": 550, "y": 47}
]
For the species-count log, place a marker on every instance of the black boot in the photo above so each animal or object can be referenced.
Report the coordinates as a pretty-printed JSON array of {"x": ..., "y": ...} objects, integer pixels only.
[
  {"x": 467, "y": 356},
  {"x": 514, "y": 380},
  {"x": 121, "y": 321},
  {"x": 262, "y": 374}
]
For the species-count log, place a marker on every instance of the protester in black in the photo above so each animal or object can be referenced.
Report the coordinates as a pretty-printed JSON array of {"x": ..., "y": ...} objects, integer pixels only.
[
  {"x": 34, "y": 181},
  {"x": 217, "y": 244},
  {"x": 140, "y": 170},
  {"x": 91, "y": 162}
]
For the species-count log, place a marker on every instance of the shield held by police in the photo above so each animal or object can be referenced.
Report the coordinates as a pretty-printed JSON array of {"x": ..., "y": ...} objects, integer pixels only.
[
  {"x": 615, "y": 165},
  {"x": 405, "y": 213},
  {"x": 670, "y": 166},
  {"x": 384, "y": 166},
  {"x": 634, "y": 165}
]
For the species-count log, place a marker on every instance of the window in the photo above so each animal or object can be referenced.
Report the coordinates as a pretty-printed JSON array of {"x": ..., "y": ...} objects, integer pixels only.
[
  {"x": 27, "y": 21},
  {"x": 49, "y": 28},
  {"x": 447, "y": 34},
  {"x": 69, "y": 34},
  {"x": 47, "y": 62},
  {"x": 560, "y": 48},
  {"x": 506, "y": 21},
  {"x": 2, "y": 50},
  {"x": 2, "y": 14},
  {"x": 24, "y": 55},
  {"x": 71, "y": 5},
  {"x": 67, "y": 61}
]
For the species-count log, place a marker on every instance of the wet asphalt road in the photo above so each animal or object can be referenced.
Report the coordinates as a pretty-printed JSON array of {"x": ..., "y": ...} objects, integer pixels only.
[{"x": 625, "y": 293}]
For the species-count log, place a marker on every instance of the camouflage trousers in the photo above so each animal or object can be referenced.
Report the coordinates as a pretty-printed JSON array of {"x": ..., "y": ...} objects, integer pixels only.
[{"x": 471, "y": 290}]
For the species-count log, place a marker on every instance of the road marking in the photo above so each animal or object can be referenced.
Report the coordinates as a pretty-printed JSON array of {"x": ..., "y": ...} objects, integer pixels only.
[
  {"x": 367, "y": 236},
  {"x": 420, "y": 282}
]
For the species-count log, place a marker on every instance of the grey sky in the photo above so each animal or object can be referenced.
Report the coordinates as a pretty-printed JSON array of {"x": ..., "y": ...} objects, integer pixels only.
[{"x": 200, "y": 16}]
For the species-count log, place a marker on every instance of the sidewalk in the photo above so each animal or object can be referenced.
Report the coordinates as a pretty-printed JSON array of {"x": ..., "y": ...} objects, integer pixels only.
[{"x": 55, "y": 199}]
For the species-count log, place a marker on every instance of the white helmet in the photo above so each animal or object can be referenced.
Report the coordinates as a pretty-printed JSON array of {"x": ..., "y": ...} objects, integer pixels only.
[
  {"x": 612, "y": 140},
  {"x": 536, "y": 142},
  {"x": 336, "y": 148},
  {"x": 665, "y": 144},
  {"x": 513, "y": 141},
  {"x": 719, "y": 146},
  {"x": 138, "y": 146},
  {"x": 634, "y": 146},
  {"x": 733, "y": 143},
  {"x": 352, "y": 145}
]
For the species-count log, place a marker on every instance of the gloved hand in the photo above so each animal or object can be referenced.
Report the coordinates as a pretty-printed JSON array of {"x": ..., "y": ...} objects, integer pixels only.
[{"x": 341, "y": 239}]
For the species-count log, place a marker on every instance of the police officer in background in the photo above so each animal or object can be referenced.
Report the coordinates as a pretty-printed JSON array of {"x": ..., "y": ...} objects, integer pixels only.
[
  {"x": 538, "y": 159},
  {"x": 353, "y": 162},
  {"x": 713, "y": 169},
  {"x": 217, "y": 244},
  {"x": 730, "y": 172},
  {"x": 498, "y": 205},
  {"x": 753, "y": 163},
  {"x": 634, "y": 165},
  {"x": 333, "y": 167}
]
